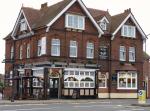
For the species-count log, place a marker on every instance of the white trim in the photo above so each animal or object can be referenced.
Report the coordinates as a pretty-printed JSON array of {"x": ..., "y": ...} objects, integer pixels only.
[
  {"x": 84, "y": 8},
  {"x": 104, "y": 18},
  {"x": 79, "y": 69},
  {"x": 38, "y": 68},
  {"x": 17, "y": 21},
  {"x": 136, "y": 24}
]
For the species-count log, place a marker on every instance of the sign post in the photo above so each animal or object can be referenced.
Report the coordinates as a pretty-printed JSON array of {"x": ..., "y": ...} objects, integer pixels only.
[{"x": 141, "y": 96}]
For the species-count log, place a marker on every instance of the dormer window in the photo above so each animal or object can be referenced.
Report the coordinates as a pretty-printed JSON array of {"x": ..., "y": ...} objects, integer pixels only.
[
  {"x": 103, "y": 25},
  {"x": 75, "y": 21},
  {"x": 128, "y": 31},
  {"x": 23, "y": 25}
]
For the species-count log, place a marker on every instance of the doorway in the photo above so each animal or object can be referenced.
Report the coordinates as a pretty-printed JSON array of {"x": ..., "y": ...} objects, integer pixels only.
[{"x": 53, "y": 87}]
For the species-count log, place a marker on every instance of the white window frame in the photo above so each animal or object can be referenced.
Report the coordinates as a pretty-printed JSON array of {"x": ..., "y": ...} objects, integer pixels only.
[
  {"x": 126, "y": 80},
  {"x": 28, "y": 50},
  {"x": 90, "y": 50},
  {"x": 82, "y": 73},
  {"x": 23, "y": 25},
  {"x": 73, "y": 47},
  {"x": 103, "y": 25},
  {"x": 20, "y": 51},
  {"x": 39, "y": 52},
  {"x": 55, "y": 44},
  {"x": 131, "y": 54},
  {"x": 122, "y": 50},
  {"x": 73, "y": 24},
  {"x": 128, "y": 31},
  {"x": 12, "y": 52},
  {"x": 105, "y": 79}
]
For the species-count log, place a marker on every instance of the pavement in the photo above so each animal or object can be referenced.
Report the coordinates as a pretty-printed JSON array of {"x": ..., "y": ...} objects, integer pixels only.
[{"x": 132, "y": 102}]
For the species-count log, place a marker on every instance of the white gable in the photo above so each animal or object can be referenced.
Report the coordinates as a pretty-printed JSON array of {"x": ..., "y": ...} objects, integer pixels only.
[
  {"x": 136, "y": 24},
  {"x": 17, "y": 23},
  {"x": 86, "y": 11},
  {"x": 103, "y": 19}
]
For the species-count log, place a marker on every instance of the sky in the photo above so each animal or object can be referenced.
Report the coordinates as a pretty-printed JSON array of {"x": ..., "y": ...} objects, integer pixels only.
[{"x": 9, "y": 10}]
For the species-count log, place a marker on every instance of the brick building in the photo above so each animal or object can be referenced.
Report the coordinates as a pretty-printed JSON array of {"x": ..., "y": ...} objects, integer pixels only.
[
  {"x": 146, "y": 73},
  {"x": 69, "y": 50}
]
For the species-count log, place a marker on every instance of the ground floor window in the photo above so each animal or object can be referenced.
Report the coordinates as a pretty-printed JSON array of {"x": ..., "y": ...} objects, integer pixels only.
[
  {"x": 79, "y": 78},
  {"x": 102, "y": 80},
  {"x": 127, "y": 80}
]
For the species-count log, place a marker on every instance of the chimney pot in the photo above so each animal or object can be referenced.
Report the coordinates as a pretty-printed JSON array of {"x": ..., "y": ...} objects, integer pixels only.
[{"x": 43, "y": 6}]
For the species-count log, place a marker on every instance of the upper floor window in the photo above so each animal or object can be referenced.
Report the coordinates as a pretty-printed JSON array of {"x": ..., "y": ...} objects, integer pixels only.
[
  {"x": 132, "y": 54},
  {"x": 20, "y": 52},
  {"x": 75, "y": 21},
  {"x": 28, "y": 50},
  {"x": 73, "y": 48},
  {"x": 12, "y": 52},
  {"x": 23, "y": 25},
  {"x": 122, "y": 53},
  {"x": 103, "y": 25},
  {"x": 55, "y": 47},
  {"x": 128, "y": 31},
  {"x": 90, "y": 50},
  {"x": 39, "y": 47},
  {"x": 42, "y": 46}
]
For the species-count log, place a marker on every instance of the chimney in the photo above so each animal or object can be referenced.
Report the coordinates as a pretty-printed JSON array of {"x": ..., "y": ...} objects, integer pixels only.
[
  {"x": 44, "y": 6},
  {"x": 128, "y": 10}
]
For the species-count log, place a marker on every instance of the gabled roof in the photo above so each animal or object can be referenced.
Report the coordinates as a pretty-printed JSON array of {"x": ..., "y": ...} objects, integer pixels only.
[{"x": 119, "y": 20}]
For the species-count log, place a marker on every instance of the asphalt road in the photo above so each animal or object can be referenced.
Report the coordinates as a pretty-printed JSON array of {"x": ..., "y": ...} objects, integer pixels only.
[{"x": 108, "y": 105}]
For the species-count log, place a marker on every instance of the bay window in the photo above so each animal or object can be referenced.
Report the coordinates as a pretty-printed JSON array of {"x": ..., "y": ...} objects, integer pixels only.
[
  {"x": 55, "y": 47},
  {"x": 127, "y": 80},
  {"x": 90, "y": 50},
  {"x": 132, "y": 54},
  {"x": 73, "y": 49},
  {"x": 128, "y": 31},
  {"x": 75, "y": 21},
  {"x": 122, "y": 53}
]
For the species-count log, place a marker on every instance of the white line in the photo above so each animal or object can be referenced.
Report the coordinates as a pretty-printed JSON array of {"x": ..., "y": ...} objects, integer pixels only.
[
  {"x": 138, "y": 109},
  {"x": 30, "y": 109}
]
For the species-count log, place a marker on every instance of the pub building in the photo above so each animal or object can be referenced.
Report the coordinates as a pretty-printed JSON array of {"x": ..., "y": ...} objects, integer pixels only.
[{"x": 67, "y": 50}]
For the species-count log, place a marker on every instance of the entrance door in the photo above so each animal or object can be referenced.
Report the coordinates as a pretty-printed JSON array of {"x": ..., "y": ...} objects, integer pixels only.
[{"x": 53, "y": 90}]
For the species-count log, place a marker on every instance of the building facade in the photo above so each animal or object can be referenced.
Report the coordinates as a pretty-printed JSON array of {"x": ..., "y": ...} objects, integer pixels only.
[{"x": 69, "y": 50}]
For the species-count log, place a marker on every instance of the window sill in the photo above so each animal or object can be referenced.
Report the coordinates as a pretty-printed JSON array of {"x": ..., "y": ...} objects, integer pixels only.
[{"x": 127, "y": 88}]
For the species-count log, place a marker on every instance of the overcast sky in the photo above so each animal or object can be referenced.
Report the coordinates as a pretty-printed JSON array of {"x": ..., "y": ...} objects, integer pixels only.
[{"x": 9, "y": 10}]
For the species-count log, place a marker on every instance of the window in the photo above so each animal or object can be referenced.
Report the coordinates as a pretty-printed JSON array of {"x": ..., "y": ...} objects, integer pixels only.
[
  {"x": 12, "y": 52},
  {"x": 23, "y": 25},
  {"x": 20, "y": 52},
  {"x": 55, "y": 47},
  {"x": 79, "y": 78},
  {"x": 128, "y": 31},
  {"x": 103, "y": 25},
  {"x": 28, "y": 50},
  {"x": 122, "y": 53},
  {"x": 127, "y": 80},
  {"x": 39, "y": 47},
  {"x": 90, "y": 50},
  {"x": 75, "y": 21},
  {"x": 73, "y": 49},
  {"x": 42, "y": 46},
  {"x": 37, "y": 82},
  {"x": 102, "y": 81},
  {"x": 132, "y": 54}
]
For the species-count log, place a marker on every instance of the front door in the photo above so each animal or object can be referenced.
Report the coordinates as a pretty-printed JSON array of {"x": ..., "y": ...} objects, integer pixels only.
[{"x": 53, "y": 90}]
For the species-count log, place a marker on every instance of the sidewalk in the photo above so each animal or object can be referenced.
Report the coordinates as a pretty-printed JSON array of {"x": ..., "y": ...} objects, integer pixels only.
[{"x": 132, "y": 102}]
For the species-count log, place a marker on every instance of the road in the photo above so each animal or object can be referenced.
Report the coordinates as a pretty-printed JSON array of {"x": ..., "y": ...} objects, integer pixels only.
[{"x": 106, "y": 105}]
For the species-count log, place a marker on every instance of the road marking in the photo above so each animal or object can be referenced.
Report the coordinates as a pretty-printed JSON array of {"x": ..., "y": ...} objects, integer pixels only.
[
  {"x": 31, "y": 109},
  {"x": 138, "y": 109}
]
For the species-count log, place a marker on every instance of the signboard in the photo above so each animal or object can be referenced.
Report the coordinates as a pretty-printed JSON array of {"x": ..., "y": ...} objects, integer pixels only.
[
  {"x": 103, "y": 53},
  {"x": 142, "y": 96}
]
